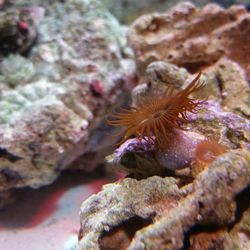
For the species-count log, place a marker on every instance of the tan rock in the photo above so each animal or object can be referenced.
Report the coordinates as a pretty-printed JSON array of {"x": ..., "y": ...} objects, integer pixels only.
[
  {"x": 191, "y": 37},
  {"x": 157, "y": 212}
]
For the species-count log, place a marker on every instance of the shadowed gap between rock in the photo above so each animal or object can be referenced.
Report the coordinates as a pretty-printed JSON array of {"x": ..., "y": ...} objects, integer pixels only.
[
  {"x": 121, "y": 236},
  {"x": 220, "y": 86},
  {"x": 195, "y": 230},
  {"x": 4, "y": 153},
  {"x": 194, "y": 67},
  {"x": 242, "y": 203}
]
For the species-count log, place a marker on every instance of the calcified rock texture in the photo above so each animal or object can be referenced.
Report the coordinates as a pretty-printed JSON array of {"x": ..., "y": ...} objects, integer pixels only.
[
  {"x": 53, "y": 100},
  {"x": 236, "y": 238},
  {"x": 192, "y": 37},
  {"x": 155, "y": 213},
  {"x": 195, "y": 204},
  {"x": 200, "y": 205}
]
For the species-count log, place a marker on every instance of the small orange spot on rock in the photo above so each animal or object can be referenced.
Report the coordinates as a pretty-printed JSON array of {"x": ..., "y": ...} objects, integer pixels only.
[{"x": 206, "y": 152}]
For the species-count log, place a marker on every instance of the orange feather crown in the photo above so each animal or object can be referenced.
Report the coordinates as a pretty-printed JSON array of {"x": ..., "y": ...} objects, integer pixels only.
[{"x": 154, "y": 119}]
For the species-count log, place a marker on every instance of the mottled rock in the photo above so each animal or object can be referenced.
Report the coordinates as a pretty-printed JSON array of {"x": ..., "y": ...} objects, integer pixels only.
[
  {"x": 168, "y": 210},
  {"x": 141, "y": 205},
  {"x": 205, "y": 208},
  {"x": 17, "y": 70},
  {"x": 231, "y": 129},
  {"x": 236, "y": 237},
  {"x": 191, "y": 37},
  {"x": 205, "y": 205},
  {"x": 159, "y": 75},
  {"x": 217, "y": 239},
  {"x": 226, "y": 83},
  {"x": 239, "y": 235},
  {"x": 53, "y": 100}
]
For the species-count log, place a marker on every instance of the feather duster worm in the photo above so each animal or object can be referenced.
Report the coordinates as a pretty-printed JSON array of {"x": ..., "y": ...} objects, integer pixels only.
[{"x": 156, "y": 118}]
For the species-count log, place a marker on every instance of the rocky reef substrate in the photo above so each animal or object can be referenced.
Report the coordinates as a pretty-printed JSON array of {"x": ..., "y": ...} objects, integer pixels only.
[
  {"x": 170, "y": 200},
  {"x": 63, "y": 66}
]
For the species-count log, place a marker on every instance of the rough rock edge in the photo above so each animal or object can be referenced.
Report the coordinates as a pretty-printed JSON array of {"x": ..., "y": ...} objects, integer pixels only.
[
  {"x": 217, "y": 185},
  {"x": 51, "y": 118},
  {"x": 191, "y": 37}
]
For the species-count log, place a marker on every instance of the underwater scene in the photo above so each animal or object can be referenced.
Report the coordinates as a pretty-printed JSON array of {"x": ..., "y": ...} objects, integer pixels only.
[{"x": 124, "y": 125}]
